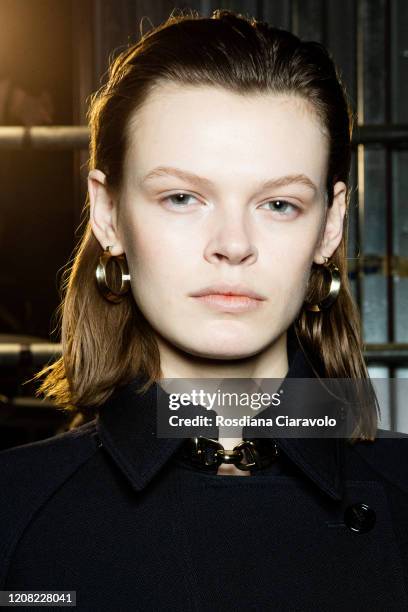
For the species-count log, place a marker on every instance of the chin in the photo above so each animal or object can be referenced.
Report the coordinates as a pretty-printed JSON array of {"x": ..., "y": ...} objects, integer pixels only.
[{"x": 223, "y": 350}]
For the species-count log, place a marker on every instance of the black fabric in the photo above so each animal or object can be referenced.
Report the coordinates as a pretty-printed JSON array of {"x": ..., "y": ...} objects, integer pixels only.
[{"x": 110, "y": 511}]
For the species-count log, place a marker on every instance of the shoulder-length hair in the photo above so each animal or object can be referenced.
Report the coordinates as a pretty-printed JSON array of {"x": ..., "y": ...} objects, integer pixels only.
[{"x": 105, "y": 345}]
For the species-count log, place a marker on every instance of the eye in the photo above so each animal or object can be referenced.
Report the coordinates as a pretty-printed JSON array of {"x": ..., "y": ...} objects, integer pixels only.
[
  {"x": 179, "y": 200},
  {"x": 282, "y": 207}
]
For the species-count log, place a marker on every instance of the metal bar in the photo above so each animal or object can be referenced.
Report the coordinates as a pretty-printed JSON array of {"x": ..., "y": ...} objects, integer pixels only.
[
  {"x": 396, "y": 134},
  {"x": 56, "y": 137},
  {"x": 360, "y": 230},
  {"x": 389, "y": 208},
  {"x": 12, "y": 353},
  {"x": 324, "y": 23},
  {"x": 383, "y": 354},
  {"x": 68, "y": 137},
  {"x": 388, "y": 177},
  {"x": 294, "y": 26},
  {"x": 371, "y": 263}
]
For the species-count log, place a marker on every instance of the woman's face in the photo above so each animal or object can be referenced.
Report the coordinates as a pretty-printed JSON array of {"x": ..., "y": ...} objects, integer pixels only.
[{"x": 220, "y": 188}]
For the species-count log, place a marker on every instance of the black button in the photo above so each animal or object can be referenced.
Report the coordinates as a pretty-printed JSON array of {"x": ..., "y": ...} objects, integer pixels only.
[
  {"x": 98, "y": 441},
  {"x": 359, "y": 518}
]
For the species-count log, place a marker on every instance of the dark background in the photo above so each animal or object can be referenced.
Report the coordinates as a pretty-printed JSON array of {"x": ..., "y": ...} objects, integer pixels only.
[
  {"x": 36, "y": 193},
  {"x": 63, "y": 47}
]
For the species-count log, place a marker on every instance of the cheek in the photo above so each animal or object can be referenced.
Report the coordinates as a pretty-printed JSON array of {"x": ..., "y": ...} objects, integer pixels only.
[
  {"x": 290, "y": 256},
  {"x": 155, "y": 259},
  {"x": 301, "y": 273},
  {"x": 288, "y": 268}
]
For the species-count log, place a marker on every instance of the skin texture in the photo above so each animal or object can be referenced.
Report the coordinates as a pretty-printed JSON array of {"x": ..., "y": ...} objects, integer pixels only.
[{"x": 229, "y": 230}]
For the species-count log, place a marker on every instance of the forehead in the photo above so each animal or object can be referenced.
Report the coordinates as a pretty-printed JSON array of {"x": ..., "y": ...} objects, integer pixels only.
[{"x": 211, "y": 130}]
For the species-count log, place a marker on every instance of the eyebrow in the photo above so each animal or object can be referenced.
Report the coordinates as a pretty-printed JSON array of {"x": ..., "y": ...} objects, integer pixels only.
[{"x": 282, "y": 181}]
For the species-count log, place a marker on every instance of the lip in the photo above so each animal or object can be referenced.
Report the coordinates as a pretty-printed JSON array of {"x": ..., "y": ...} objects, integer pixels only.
[
  {"x": 229, "y": 303},
  {"x": 224, "y": 290}
]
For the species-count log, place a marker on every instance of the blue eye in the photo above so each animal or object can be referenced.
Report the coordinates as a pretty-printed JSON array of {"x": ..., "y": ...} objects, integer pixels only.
[
  {"x": 181, "y": 200},
  {"x": 282, "y": 206},
  {"x": 177, "y": 202}
]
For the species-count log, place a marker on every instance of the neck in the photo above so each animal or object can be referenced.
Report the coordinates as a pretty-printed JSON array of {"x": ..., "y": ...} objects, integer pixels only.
[{"x": 272, "y": 362}]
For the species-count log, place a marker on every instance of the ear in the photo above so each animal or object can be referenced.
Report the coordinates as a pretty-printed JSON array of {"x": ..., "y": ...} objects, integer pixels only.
[
  {"x": 333, "y": 228},
  {"x": 103, "y": 213}
]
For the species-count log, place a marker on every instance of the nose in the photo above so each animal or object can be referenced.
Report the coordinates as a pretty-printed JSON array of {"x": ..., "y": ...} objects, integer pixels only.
[{"x": 231, "y": 240}]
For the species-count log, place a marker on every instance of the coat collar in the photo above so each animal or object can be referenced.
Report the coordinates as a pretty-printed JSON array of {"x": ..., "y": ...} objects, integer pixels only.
[{"x": 126, "y": 425}]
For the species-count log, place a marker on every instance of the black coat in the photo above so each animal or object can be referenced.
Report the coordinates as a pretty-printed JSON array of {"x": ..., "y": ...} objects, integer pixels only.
[{"x": 109, "y": 510}]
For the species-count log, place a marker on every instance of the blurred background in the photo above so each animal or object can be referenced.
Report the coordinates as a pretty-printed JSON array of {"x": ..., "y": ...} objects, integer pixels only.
[{"x": 55, "y": 53}]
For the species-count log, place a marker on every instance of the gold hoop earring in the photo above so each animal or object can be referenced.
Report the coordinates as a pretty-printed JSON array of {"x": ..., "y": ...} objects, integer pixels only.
[
  {"x": 110, "y": 294},
  {"x": 332, "y": 271}
]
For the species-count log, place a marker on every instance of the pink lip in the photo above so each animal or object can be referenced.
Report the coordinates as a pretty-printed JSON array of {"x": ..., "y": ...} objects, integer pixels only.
[
  {"x": 228, "y": 290},
  {"x": 232, "y": 303}
]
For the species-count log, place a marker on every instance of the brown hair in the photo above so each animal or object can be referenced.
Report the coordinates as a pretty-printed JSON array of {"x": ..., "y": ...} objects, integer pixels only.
[{"x": 105, "y": 345}]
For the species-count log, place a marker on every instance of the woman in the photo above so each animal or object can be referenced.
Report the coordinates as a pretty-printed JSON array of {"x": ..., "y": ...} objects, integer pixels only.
[{"x": 220, "y": 155}]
